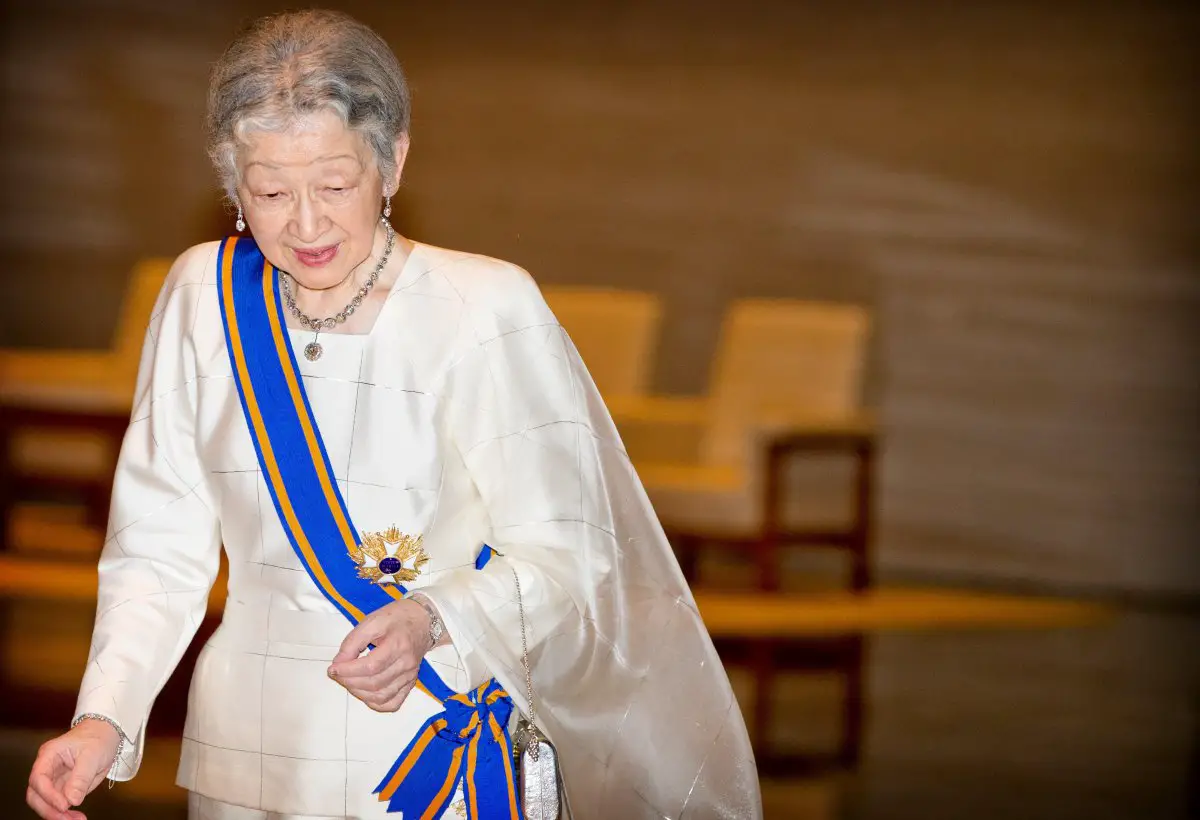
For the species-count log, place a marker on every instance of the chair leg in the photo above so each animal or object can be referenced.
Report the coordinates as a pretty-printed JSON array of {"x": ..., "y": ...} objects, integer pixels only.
[
  {"x": 767, "y": 557},
  {"x": 762, "y": 659},
  {"x": 854, "y": 706},
  {"x": 861, "y": 534},
  {"x": 860, "y": 568}
]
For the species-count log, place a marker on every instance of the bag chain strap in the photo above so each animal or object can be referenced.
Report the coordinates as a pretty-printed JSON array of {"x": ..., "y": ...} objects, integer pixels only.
[{"x": 531, "y": 738}]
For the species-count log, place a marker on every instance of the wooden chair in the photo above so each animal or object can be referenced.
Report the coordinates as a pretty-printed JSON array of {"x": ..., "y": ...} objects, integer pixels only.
[
  {"x": 59, "y": 372},
  {"x": 615, "y": 332},
  {"x": 780, "y": 454},
  {"x": 63, "y": 413}
]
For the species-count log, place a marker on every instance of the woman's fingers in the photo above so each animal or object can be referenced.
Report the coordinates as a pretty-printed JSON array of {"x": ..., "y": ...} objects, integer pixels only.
[
  {"x": 40, "y": 807},
  {"x": 383, "y": 677},
  {"x": 384, "y": 690},
  {"x": 383, "y": 696},
  {"x": 391, "y": 701},
  {"x": 394, "y": 630},
  {"x": 86, "y": 775},
  {"x": 372, "y": 663},
  {"x": 400, "y": 670},
  {"x": 41, "y": 780},
  {"x": 67, "y": 769},
  {"x": 398, "y": 699},
  {"x": 379, "y": 668},
  {"x": 371, "y": 630},
  {"x": 46, "y": 805},
  {"x": 378, "y": 695},
  {"x": 62, "y": 774}
]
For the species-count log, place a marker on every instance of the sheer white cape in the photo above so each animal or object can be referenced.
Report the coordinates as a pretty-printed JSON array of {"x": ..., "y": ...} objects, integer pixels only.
[{"x": 626, "y": 681}]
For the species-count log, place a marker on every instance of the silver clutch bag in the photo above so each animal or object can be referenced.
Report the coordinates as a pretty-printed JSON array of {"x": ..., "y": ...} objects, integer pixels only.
[{"x": 539, "y": 777}]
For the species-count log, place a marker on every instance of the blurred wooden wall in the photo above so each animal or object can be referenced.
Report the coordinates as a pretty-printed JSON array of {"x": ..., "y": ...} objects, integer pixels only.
[{"x": 1010, "y": 187}]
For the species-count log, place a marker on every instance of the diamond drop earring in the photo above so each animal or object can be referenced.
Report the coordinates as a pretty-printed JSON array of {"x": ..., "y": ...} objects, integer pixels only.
[
  {"x": 387, "y": 207},
  {"x": 240, "y": 224}
]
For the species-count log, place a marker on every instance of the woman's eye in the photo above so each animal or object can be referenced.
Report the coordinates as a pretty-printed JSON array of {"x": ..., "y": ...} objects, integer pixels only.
[
  {"x": 272, "y": 195},
  {"x": 337, "y": 189}
]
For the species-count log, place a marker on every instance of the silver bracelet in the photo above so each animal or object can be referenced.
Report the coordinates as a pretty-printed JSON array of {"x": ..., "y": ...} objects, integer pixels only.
[{"x": 122, "y": 739}]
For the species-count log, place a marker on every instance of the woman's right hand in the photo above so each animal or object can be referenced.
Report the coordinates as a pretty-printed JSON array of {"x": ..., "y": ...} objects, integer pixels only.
[{"x": 69, "y": 767}]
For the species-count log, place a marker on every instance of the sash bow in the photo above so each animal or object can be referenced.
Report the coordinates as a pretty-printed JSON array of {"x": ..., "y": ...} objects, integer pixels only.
[
  {"x": 467, "y": 743},
  {"x": 467, "y": 714}
]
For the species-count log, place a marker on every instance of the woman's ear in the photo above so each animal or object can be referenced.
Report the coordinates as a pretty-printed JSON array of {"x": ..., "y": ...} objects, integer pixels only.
[{"x": 401, "y": 154}]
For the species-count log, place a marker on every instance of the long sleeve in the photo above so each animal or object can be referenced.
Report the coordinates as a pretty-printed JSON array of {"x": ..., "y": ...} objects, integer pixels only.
[
  {"x": 162, "y": 548},
  {"x": 626, "y": 680},
  {"x": 517, "y": 414}
]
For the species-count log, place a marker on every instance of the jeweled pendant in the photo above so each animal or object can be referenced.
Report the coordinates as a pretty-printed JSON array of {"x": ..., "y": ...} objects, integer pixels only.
[{"x": 313, "y": 351}]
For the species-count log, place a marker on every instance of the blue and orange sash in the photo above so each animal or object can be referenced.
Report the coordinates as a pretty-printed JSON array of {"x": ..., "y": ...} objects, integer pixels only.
[{"x": 468, "y": 742}]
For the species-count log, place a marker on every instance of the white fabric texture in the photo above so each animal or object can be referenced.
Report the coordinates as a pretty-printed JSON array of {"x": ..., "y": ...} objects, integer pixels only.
[{"x": 465, "y": 416}]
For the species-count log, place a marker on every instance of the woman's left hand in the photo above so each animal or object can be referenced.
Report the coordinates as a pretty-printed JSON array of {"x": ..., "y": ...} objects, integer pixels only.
[{"x": 383, "y": 677}]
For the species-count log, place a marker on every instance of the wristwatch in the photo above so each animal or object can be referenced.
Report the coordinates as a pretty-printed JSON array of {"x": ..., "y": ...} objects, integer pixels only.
[{"x": 436, "y": 627}]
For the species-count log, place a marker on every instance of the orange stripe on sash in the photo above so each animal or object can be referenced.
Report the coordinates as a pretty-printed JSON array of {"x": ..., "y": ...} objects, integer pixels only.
[
  {"x": 282, "y": 349},
  {"x": 506, "y": 756},
  {"x": 444, "y": 792},
  {"x": 264, "y": 440},
  {"x": 411, "y": 761},
  {"x": 472, "y": 758}
]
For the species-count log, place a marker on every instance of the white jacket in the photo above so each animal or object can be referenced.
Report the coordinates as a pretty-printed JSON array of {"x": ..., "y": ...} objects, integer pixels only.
[{"x": 466, "y": 417}]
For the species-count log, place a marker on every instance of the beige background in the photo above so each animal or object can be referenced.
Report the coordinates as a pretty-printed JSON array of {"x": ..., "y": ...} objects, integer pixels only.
[{"x": 1008, "y": 187}]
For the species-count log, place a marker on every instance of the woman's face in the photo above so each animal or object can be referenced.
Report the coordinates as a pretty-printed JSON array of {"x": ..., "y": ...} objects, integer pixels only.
[{"x": 312, "y": 195}]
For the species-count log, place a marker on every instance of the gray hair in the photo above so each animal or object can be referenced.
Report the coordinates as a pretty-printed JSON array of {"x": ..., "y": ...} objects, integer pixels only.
[{"x": 290, "y": 65}]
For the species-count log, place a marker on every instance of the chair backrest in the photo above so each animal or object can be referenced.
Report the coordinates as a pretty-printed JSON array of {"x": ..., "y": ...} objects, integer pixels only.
[
  {"x": 145, "y": 282},
  {"x": 780, "y": 358},
  {"x": 615, "y": 331}
]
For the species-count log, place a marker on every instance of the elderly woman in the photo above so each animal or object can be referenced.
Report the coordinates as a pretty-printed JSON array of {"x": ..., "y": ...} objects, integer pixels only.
[{"x": 414, "y": 480}]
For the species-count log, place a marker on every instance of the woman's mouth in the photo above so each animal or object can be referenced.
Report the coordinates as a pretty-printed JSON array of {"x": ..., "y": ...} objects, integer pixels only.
[{"x": 316, "y": 257}]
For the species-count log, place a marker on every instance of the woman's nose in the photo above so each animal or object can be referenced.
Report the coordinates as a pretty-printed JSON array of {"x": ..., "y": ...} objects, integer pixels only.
[{"x": 308, "y": 220}]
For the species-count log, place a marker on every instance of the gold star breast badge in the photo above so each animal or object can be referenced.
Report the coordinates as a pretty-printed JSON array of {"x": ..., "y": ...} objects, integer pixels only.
[{"x": 389, "y": 557}]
